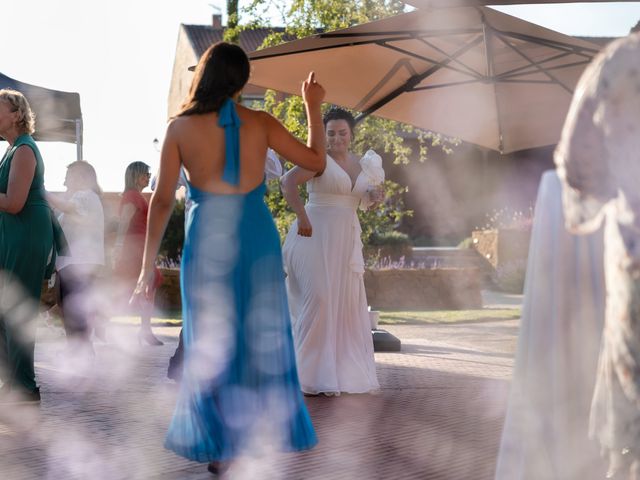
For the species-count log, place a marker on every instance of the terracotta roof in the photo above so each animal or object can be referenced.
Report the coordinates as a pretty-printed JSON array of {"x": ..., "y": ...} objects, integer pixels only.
[{"x": 202, "y": 36}]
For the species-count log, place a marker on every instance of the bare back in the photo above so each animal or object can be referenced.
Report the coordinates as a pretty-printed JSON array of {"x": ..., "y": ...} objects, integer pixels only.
[{"x": 201, "y": 145}]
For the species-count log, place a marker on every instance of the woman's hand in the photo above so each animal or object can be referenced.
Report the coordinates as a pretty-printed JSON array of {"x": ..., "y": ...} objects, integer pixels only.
[
  {"x": 376, "y": 196},
  {"x": 304, "y": 226},
  {"x": 312, "y": 92},
  {"x": 144, "y": 288}
]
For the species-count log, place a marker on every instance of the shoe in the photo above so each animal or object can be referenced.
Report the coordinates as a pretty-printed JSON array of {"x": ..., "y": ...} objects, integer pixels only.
[
  {"x": 174, "y": 371},
  {"x": 147, "y": 336},
  {"x": 218, "y": 468}
]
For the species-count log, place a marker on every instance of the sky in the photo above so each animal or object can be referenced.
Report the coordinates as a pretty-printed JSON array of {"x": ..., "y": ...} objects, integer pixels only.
[{"x": 118, "y": 55}]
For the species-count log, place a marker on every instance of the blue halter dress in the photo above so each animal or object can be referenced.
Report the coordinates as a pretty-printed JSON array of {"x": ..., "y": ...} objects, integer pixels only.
[{"x": 240, "y": 389}]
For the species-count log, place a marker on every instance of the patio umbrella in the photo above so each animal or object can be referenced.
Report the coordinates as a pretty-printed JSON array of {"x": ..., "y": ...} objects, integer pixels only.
[
  {"x": 470, "y": 72},
  {"x": 58, "y": 113},
  {"x": 466, "y": 3}
]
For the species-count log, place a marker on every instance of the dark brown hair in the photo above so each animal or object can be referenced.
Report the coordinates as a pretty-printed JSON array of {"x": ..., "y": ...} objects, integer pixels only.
[
  {"x": 337, "y": 113},
  {"x": 222, "y": 71}
]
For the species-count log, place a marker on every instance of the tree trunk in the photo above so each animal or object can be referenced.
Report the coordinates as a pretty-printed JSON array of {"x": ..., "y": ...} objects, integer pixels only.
[{"x": 232, "y": 34}]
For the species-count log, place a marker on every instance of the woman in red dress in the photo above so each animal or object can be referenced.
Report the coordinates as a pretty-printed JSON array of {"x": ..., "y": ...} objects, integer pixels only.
[{"x": 129, "y": 246}]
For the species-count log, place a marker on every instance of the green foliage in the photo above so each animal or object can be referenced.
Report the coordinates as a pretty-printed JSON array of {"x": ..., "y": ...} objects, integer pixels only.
[
  {"x": 392, "y": 238},
  {"x": 466, "y": 243},
  {"x": 380, "y": 221},
  {"x": 232, "y": 32},
  {"x": 304, "y": 18},
  {"x": 171, "y": 246},
  {"x": 282, "y": 214},
  {"x": 377, "y": 224}
]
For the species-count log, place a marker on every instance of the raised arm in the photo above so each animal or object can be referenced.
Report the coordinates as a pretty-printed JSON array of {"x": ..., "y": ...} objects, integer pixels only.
[
  {"x": 21, "y": 173},
  {"x": 160, "y": 207},
  {"x": 312, "y": 156}
]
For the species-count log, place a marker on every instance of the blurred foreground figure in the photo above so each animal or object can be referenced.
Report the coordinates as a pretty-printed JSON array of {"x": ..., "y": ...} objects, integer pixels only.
[
  {"x": 545, "y": 435},
  {"x": 240, "y": 392},
  {"x": 598, "y": 159},
  {"x": 28, "y": 233}
]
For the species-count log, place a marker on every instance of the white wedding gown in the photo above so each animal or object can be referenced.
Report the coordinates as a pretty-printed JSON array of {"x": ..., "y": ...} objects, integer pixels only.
[{"x": 331, "y": 327}]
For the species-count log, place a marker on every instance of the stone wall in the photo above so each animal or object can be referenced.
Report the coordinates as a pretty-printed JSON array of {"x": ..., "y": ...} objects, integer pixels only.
[
  {"x": 399, "y": 289},
  {"x": 501, "y": 246},
  {"x": 424, "y": 289}
]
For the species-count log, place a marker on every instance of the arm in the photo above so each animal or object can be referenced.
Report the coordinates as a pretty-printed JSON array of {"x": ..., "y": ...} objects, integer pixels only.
[
  {"x": 128, "y": 211},
  {"x": 60, "y": 203},
  {"x": 313, "y": 156},
  {"x": 160, "y": 207},
  {"x": 289, "y": 183},
  {"x": 23, "y": 167}
]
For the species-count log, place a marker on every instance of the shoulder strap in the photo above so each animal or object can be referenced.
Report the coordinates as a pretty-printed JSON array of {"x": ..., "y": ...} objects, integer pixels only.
[{"x": 229, "y": 120}]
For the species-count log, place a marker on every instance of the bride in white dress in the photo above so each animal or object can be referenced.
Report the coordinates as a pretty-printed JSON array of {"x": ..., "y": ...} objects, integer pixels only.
[{"x": 324, "y": 264}]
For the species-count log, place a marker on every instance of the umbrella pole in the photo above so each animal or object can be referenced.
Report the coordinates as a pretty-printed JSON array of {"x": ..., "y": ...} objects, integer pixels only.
[{"x": 78, "y": 139}]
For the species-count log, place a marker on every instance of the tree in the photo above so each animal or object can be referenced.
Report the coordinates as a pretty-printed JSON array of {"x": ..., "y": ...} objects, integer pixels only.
[{"x": 232, "y": 32}]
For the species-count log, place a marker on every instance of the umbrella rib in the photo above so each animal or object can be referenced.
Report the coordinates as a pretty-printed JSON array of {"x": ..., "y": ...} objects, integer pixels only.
[
  {"x": 414, "y": 80},
  {"x": 427, "y": 59},
  {"x": 443, "y": 85},
  {"x": 583, "y": 51},
  {"x": 534, "y": 63},
  {"x": 557, "y": 67},
  {"x": 546, "y": 82},
  {"x": 399, "y": 35},
  {"x": 524, "y": 67},
  {"x": 405, "y": 62},
  {"x": 406, "y": 33},
  {"x": 255, "y": 56},
  {"x": 474, "y": 72}
]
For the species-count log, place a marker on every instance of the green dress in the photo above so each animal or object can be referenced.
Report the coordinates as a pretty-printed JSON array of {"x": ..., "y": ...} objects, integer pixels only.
[{"x": 26, "y": 250}]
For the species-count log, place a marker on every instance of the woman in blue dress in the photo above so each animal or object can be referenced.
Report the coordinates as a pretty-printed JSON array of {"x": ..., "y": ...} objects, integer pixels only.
[{"x": 240, "y": 379}]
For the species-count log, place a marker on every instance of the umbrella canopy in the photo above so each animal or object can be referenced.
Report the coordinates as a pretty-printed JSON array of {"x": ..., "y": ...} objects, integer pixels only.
[
  {"x": 466, "y": 3},
  {"x": 470, "y": 72},
  {"x": 58, "y": 115}
]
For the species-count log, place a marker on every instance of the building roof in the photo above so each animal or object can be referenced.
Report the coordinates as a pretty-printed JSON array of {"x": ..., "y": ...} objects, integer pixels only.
[{"x": 202, "y": 36}]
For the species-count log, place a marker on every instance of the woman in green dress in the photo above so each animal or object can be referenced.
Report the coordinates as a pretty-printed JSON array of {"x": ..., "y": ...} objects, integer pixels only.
[{"x": 26, "y": 247}]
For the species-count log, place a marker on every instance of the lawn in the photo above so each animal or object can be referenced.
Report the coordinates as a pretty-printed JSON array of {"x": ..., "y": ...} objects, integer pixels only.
[
  {"x": 448, "y": 316},
  {"x": 386, "y": 318}
]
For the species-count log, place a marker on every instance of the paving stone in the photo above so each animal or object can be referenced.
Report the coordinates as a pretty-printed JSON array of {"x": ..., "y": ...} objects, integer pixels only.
[{"x": 438, "y": 415}]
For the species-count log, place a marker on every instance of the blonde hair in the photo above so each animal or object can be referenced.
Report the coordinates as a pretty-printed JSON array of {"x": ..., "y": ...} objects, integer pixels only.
[
  {"x": 19, "y": 103},
  {"x": 131, "y": 174},
  {"x": 87, "y": 173}
]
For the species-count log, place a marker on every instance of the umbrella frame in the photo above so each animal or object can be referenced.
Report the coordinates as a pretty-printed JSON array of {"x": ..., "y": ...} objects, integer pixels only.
[{"x": 482, "y": 34}]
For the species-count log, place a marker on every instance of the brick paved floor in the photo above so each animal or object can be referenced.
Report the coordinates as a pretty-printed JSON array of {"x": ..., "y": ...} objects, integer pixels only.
[{"x": 438, "y": 416}]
